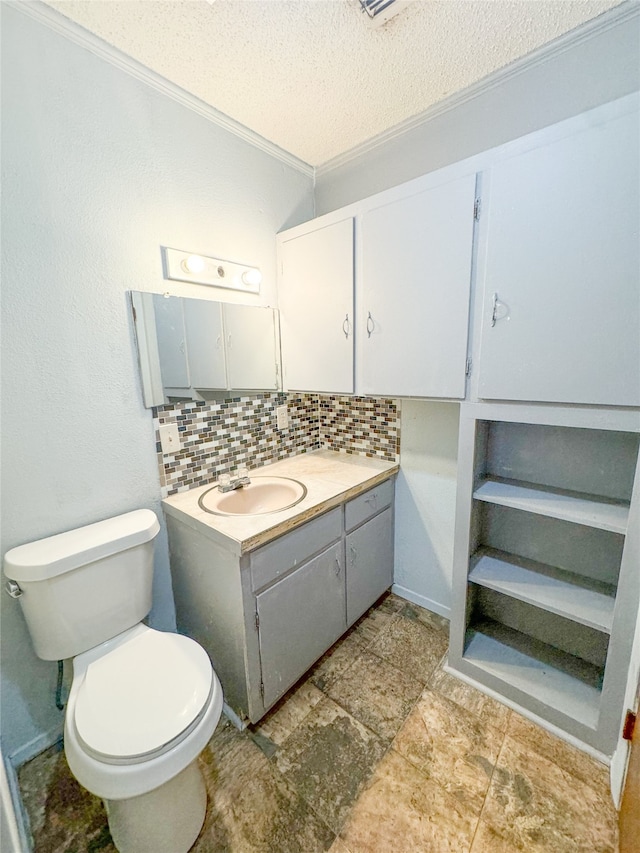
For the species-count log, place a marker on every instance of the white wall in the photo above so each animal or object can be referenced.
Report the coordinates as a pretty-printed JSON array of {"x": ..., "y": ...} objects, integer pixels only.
[{"x": 99, "y": 171}]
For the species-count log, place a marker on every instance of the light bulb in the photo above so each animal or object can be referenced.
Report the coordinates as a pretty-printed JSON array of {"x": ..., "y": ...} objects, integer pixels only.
[
  {"x": 252, "y": 277},
  {"x": 193, "y": 264}
]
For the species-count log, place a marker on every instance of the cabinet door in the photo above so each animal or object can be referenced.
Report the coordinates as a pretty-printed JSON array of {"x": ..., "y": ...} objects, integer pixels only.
[
  {"x": 300, "y": 617},
  {"x": 203, "y": 327},
  {"x": 171, "y": 336},
  {"x": 414, "y": 299},
  {"x": 251, "y": 348},
  {"x": 315, "y": 297},
  {"x": 369, "y": 563},
  {"x": 561, "y": 314}
]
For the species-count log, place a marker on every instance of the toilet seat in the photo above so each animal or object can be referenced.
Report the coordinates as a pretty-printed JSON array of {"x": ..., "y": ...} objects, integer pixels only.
[{"x": 143, "y": 697}]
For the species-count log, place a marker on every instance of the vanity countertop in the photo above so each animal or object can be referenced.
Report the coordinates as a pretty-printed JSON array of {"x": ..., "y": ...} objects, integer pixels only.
[{"x": 331, "y": 478}]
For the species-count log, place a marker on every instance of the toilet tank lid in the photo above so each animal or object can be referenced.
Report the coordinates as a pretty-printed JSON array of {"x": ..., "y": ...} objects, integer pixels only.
[{"x": 46, "y": 558}]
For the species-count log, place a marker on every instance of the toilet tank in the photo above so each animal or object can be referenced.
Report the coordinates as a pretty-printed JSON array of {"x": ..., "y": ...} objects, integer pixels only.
[{"x": 85, "y": 586}]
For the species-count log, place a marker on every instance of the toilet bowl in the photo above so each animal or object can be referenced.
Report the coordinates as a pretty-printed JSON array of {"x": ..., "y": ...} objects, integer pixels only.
[
  {"x": 143, "y": 703},
  {"x": 139, "y": 754}
]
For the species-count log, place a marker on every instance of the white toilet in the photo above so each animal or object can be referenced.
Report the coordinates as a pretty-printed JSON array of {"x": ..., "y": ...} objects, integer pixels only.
[{"x": 143, "y": 703}]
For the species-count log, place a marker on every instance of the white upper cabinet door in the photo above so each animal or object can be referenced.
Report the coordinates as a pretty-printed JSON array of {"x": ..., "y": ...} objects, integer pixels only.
[
  {"x": 205, "y": 345},
  {"x": 315, "y": 297},
  {"x": 561, "y": 302},
  {"x": 251, "y": 348},
  {"x": 413, "y": 293}
]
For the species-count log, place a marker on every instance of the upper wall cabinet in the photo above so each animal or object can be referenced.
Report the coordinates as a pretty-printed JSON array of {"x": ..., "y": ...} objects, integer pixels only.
[
  {"x": 316, "y": 307},
  {"x": 561, "y": 270},
  {"x": 192, "y": 349},
  {"x": 413, "y": 292}
]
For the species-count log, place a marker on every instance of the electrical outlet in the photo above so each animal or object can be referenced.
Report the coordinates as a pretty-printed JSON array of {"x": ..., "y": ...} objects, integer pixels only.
[
  {"x": 169, "y": 438},
  {"x": 282, "y": 417}
]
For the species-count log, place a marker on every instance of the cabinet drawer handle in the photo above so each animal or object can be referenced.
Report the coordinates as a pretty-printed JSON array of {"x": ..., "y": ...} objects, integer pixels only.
[
  {"x": 373, "y": 500},
  {"x": 338, "y": 568},
  {"x": 370, "y": 325},
  {"x": 345, "y": 326}
]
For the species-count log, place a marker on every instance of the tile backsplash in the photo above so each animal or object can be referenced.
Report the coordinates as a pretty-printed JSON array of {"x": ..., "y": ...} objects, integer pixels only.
[{"x": 222, "y": 436}]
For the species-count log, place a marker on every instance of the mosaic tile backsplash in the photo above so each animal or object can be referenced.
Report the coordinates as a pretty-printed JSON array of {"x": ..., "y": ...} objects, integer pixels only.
[{"x": 223, "y": 436}]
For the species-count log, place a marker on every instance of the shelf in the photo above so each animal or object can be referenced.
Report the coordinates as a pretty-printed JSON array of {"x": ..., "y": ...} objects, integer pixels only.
[
  {"x": 546, "y": 587},
  {"x": 566, "y": 506},
  {"x": 549, "y": 676}
]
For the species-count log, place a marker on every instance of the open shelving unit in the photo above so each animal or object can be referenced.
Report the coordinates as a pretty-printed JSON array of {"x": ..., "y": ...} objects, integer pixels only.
[{"x": 546, "y": 584}]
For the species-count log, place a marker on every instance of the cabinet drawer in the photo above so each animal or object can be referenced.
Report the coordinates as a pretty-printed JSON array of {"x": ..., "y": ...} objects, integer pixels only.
[
  {"x": 275, "y": 559},
  {"x": 367, "y": 505}
]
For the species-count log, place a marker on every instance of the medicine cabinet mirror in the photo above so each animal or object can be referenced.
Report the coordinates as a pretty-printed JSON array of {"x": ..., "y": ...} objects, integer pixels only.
[{"x": 197, "y": 349}]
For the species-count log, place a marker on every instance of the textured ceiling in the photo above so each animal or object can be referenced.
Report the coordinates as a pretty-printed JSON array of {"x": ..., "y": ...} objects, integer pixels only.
[{"x": 311, "y": 75}]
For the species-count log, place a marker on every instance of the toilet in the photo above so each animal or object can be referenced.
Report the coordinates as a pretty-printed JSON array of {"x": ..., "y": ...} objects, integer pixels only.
[{"x": 143, "y": 703}]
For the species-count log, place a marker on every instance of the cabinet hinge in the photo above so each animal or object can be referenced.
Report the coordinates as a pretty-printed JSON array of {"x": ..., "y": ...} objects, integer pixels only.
[
  {"x": 476, "y": 209},
  {"x": 629, "y": 725},
  {"x": 257, "y": 620},
  {"x": 467, "y": 370}
]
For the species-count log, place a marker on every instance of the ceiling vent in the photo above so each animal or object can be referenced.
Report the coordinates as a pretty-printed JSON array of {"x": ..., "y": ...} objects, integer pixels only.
[{"x": 378, "y": 12}]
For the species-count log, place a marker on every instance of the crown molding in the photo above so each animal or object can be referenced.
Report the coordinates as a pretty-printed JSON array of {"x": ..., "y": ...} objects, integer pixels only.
[
  {"x": 626, "y": 11},
  {"x": 53, "y": 19}
]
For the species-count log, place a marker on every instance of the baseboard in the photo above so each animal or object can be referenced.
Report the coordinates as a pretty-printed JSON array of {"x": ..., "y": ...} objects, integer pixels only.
[
  {"x": 422, "y": 601},
  {"x": 35, "y": 747}
]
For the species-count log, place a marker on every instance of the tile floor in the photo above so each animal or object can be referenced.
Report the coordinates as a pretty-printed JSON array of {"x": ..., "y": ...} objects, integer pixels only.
[{"x": 377, "y": 750}]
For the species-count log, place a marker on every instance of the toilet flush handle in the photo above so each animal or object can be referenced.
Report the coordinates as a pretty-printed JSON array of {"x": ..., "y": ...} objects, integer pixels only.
[{"x": 13, "y": 589}]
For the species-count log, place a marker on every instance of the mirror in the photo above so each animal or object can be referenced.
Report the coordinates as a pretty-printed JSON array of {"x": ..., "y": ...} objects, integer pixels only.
[{"x": 197, "y": 349}]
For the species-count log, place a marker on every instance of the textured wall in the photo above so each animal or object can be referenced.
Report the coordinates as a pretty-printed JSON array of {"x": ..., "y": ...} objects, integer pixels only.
[{"x": 99, "y": 171}]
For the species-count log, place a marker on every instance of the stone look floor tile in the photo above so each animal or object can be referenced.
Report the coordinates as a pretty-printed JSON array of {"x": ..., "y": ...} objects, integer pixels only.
[
  {"x": 573, "y": 760},
  {"x": 486, "y": 840},
  {"x": 453, "y": 748},
  {"x": 411, "y": 646},
  {"x": 338, "y": 846},
  {"x": 288, "y": 713},
  {"x": 426, "y": 617},
  {"x": 403, "y": 812},
  {"x": 63, "y": 815},
  {"x": 334, "y": 663},
  {"x": 377, "y": 694},
  {"x": 489, "y": 710},
  {"x": 251, "y": 807},
  {"x": 328, "y": 759},
  {"x": 537, "y": 807},
  {"x": 374, "y": 621}
]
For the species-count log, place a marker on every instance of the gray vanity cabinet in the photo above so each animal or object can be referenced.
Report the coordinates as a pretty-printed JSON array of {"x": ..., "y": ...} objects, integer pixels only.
[{"x": 266, "y": 616}]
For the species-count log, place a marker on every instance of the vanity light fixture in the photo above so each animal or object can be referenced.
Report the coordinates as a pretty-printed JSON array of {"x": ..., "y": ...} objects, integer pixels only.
[{"x": 200, "y": 269}]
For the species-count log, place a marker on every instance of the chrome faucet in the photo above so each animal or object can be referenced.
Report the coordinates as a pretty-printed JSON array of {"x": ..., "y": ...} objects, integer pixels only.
[{"x": 227, "y": 484}]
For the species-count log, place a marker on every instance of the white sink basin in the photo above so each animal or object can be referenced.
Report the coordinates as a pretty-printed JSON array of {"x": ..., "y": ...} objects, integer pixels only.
[{"x": 262, "y": 495}]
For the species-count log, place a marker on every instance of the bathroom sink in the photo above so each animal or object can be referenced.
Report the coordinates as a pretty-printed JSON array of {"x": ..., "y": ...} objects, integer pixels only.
[{"x": 262, "y": 495}]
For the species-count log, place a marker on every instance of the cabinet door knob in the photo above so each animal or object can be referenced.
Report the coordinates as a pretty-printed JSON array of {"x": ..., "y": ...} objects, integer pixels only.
[{"x": 370, "y": 325}]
